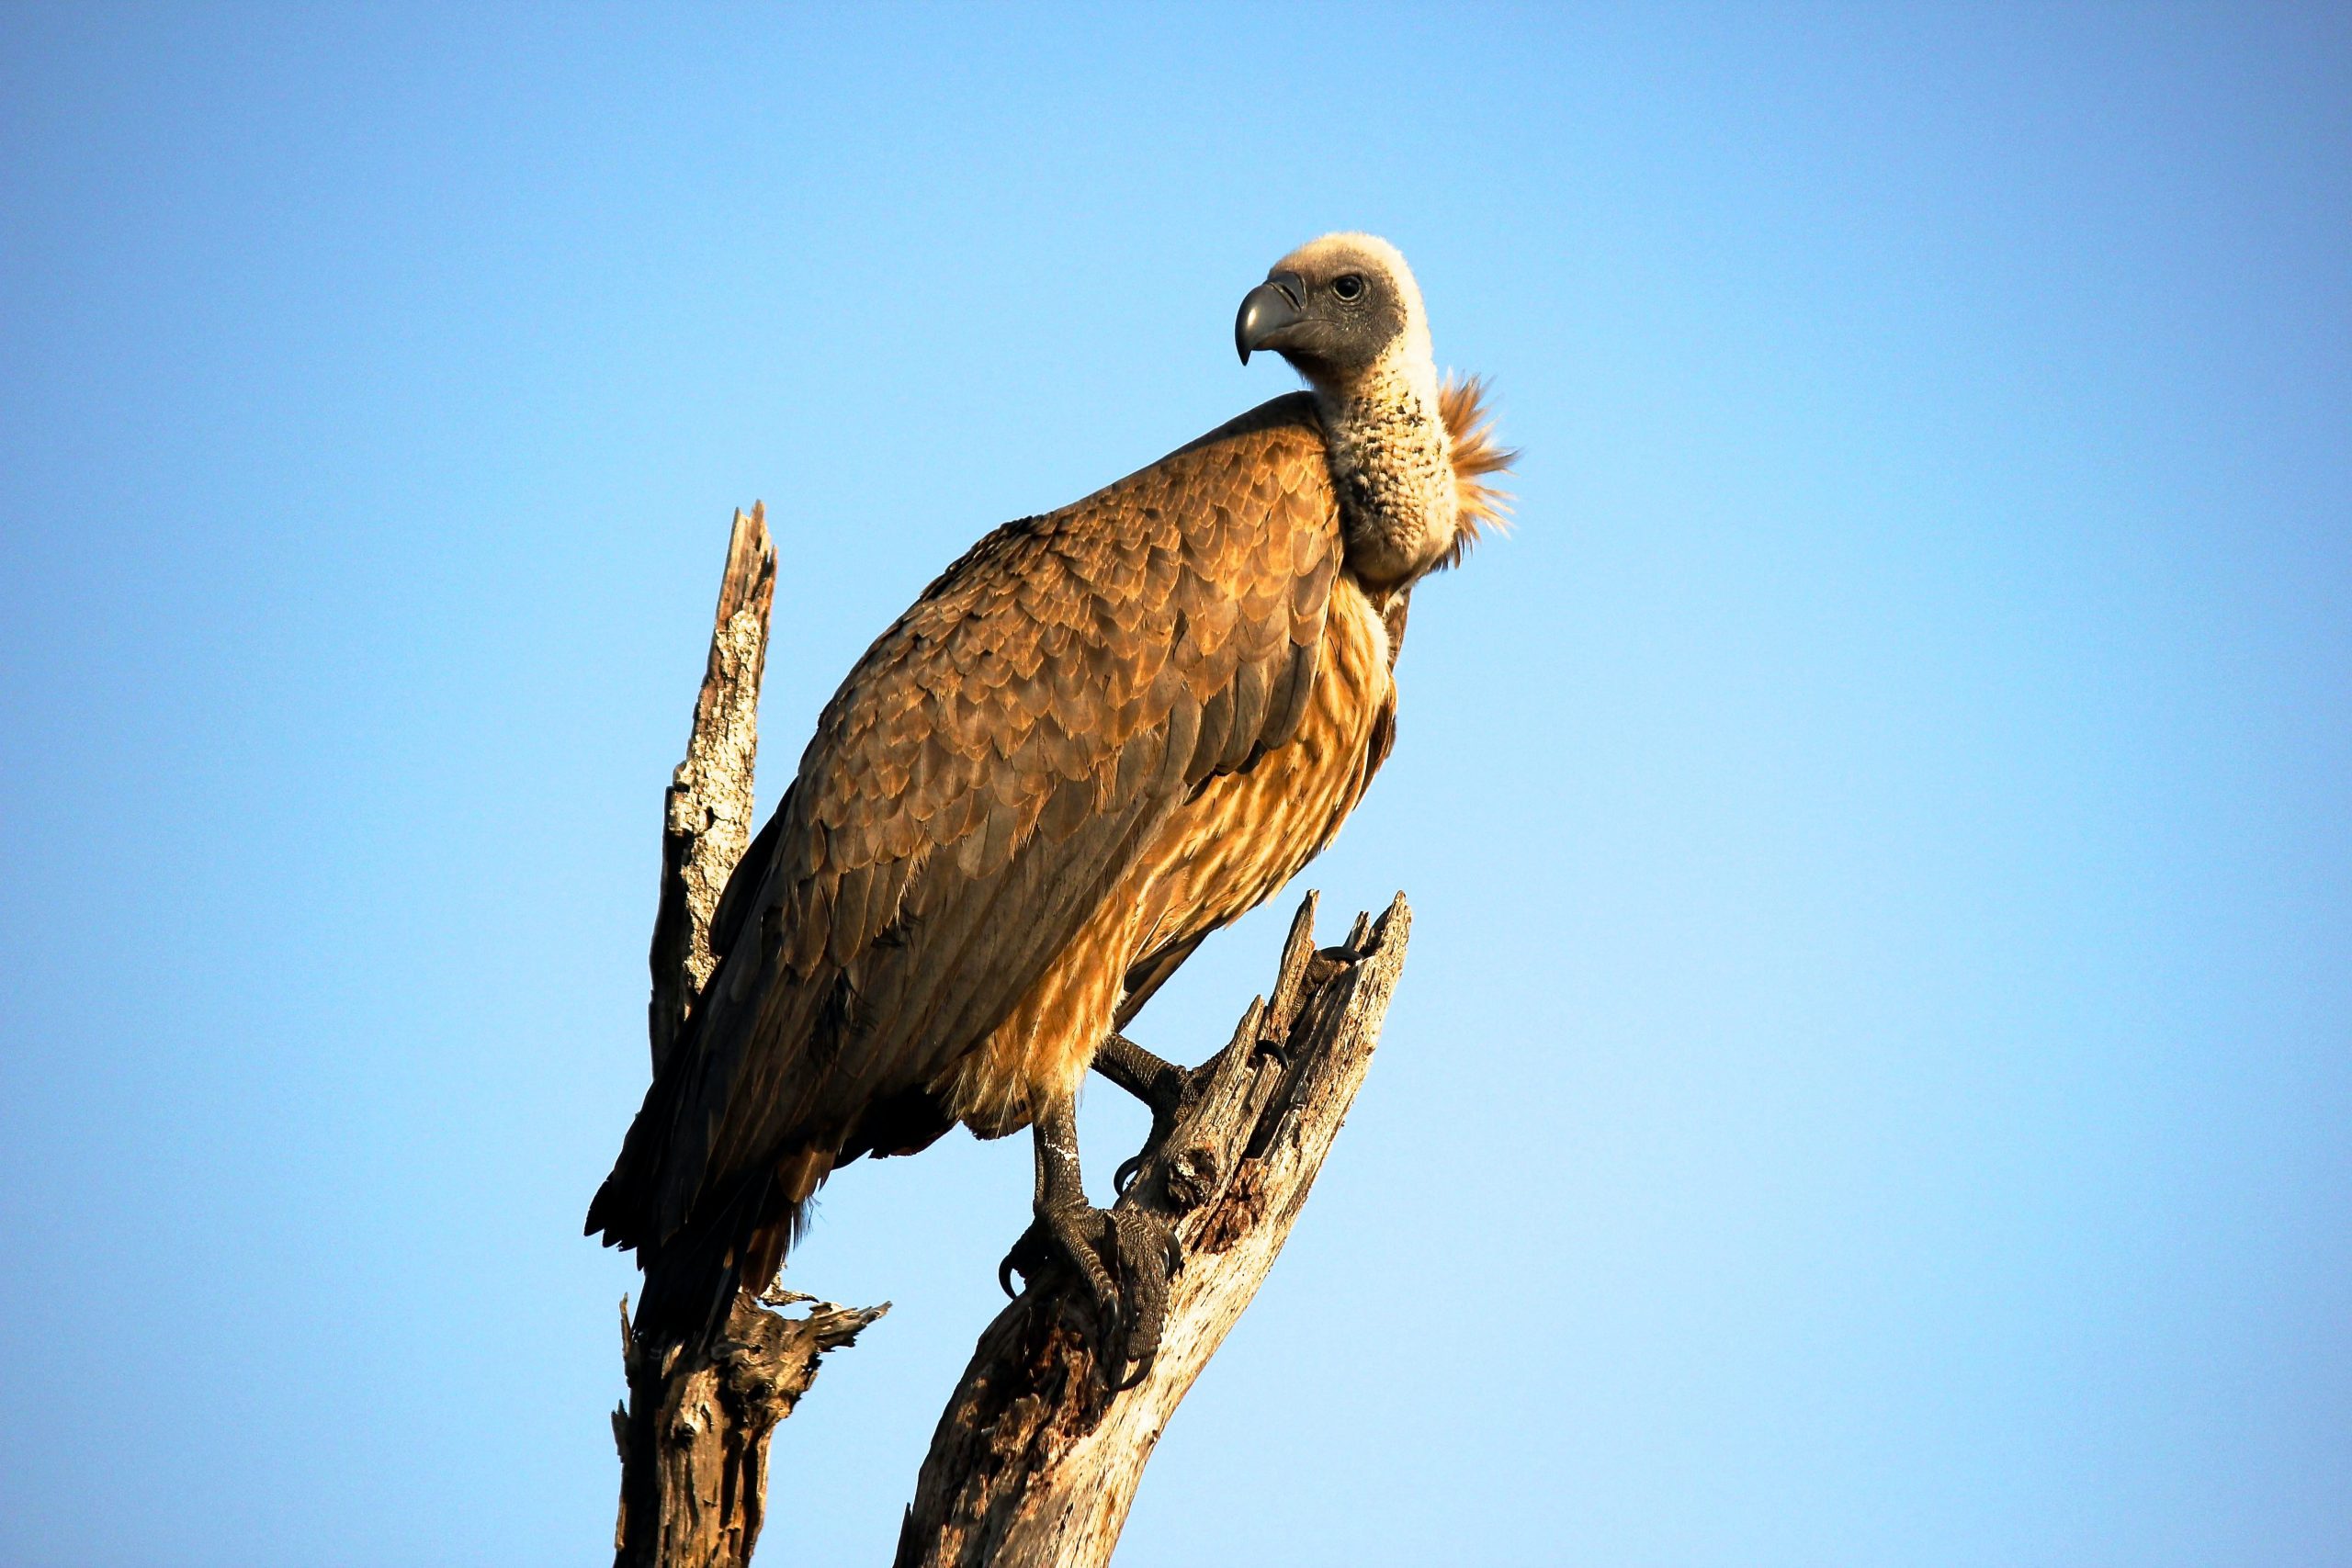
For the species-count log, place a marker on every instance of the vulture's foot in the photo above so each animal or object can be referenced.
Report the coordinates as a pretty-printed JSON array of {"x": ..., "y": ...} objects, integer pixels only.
[
  {"x": 1169, "y": 1090},
  {"x": 1124, "y": 1256}
]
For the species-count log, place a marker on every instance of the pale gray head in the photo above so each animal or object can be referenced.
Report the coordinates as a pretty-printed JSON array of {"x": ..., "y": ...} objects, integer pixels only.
[{"x": 1344, "y": 310}]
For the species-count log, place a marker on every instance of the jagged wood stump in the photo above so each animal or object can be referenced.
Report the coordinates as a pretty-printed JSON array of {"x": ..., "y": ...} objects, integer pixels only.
[{"x": 694, "y": 1437}]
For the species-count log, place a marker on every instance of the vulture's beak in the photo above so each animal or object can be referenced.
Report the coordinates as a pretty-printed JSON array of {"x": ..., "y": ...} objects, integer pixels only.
[{"x": 1268, "y": 309}]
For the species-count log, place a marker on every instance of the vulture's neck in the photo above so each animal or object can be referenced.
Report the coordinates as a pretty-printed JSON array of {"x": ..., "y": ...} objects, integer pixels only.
[{"x": 1392, "y": 465}]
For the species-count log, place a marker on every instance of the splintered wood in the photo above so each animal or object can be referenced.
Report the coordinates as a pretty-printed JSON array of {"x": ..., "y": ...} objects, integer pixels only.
[{"x": 706, "y": 819}]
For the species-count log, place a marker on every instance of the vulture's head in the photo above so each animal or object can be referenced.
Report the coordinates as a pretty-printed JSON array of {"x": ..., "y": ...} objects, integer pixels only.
[{"x": 1342, "y": 310}]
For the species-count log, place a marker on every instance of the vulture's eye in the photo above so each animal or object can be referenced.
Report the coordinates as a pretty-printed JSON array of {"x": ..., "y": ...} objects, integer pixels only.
[{"x": 1348, "y": 285}]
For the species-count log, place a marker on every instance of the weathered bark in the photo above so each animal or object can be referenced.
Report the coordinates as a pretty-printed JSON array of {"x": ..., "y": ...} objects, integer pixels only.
[
  {"x": 707, "y": 819},
  {"x": 694, "y": 1437},
  {"x": 1036, "y": 1459}
]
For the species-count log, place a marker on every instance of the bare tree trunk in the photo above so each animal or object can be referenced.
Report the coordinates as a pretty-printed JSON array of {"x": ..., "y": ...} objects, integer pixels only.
[
  {"x": 694, "y": 1437},
  {"x": 1036, "y": 1459}
]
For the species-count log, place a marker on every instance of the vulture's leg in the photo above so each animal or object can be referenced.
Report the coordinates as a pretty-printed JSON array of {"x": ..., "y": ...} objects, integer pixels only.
[
  {"x": 1169, "y": 1090},
  {"x": 1124, "y": 1255},
  {"x": 1162, "y": 1085}
]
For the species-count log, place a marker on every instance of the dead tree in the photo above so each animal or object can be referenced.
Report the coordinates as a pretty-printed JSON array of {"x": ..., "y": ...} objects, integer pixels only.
[{"x": 1036, "y": 1459}]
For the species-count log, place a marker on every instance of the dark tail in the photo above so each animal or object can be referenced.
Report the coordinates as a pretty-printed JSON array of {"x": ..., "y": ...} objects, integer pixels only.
[
  {"x": 692, "y": 1277},
  {"x": 690, "y": 1281}
]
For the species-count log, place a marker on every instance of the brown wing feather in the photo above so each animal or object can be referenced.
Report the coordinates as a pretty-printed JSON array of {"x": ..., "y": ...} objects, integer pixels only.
[{"x": 974, "y": 790}]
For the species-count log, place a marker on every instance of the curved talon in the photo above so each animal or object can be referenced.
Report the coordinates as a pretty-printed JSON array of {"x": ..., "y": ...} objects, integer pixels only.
[
  {"x": 1131, "y": 1167},
  {"x": 1004, "y": 1273}
]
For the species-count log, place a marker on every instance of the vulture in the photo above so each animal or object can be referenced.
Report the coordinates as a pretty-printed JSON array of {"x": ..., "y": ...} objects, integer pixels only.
[{"x": 1099, "y": 736}]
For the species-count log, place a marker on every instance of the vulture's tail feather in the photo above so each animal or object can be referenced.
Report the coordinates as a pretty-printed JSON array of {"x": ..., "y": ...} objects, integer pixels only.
[{"x": 691, "y": 1280}]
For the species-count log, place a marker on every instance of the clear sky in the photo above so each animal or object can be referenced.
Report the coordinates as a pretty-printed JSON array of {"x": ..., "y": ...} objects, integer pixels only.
[{"x": 1872, "y": 1081}]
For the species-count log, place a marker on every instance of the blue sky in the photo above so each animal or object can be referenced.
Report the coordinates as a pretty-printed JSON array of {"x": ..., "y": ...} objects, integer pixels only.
[{"x": 1871, "y": 1083}]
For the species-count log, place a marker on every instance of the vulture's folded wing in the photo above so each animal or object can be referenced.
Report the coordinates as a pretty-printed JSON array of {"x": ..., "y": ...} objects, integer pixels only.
[{"x": 978, "y": 783}]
